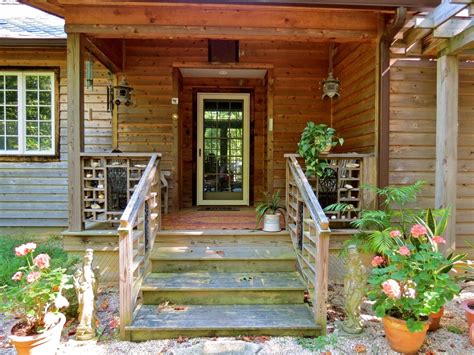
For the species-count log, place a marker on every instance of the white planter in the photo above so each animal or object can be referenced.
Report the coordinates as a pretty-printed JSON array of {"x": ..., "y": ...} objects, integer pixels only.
[{"x": 271, "y": 223}]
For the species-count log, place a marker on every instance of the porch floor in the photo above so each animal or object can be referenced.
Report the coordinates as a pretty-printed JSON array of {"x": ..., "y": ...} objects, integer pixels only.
[{"x": 243, "y": 218}]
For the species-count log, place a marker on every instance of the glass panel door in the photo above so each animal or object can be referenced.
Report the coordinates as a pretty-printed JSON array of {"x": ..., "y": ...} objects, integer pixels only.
[{"x": 223, "y": 161}]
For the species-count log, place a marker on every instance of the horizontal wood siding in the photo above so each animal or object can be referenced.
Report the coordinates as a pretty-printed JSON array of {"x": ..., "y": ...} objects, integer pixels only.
[
  {"x": 147, "y": 124},
  {"x": 354, "y": 111},
  {"x": 413, "y": 136},
  {"x": 34, "y": 194}
]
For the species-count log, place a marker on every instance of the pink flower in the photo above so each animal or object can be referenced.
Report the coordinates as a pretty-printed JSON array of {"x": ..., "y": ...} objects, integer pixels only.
[
  {"x": 409, "y": 293},
  {"x": 391, "y": 288},
  {"x": 33, "y": 276},
  {"x": 24, "y": 249},
  {"x": 114, "y": 323},
  {"x": 42, "y": 261},
  {"x": 61, "y": 302},
  {"x": 418, "y": 230},
  {"x": 377, "y": 261},
  {"x": 439, "y": 240},
  {"x": 395, "y": 233},
  {"x": 404, "y": 251},
  {"x": 18, "y": 276}
]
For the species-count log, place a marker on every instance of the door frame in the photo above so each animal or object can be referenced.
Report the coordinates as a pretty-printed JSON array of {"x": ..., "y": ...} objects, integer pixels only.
[{"x": 201, "y": 96}]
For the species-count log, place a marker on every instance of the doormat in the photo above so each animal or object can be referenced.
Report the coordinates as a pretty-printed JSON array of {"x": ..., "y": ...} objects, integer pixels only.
[{"x": 218, "y": 208}]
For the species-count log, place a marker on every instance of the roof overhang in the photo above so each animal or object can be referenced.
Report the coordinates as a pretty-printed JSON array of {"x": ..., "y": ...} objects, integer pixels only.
[{"x": 32, "y": 42}]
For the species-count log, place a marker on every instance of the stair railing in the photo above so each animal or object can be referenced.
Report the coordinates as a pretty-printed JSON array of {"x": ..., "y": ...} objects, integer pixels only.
[
  {"x": 309, "y": 230},
  {"x": 139, "y": 224}
]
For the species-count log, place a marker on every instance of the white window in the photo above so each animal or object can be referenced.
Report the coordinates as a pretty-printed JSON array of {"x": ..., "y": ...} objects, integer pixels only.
[{"x": 27, "y": 113}]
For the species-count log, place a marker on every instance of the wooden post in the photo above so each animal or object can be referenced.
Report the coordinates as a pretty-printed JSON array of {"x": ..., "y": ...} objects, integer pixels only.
[
  {"x": 270, "y": 124},
  {"x": 447, "y": 140},
  {"x": 175, "y": 177},
  {"x": 126, "y": 277},
  {"x": 321, "y": 282},
  {"x": 75, "y": 119}
]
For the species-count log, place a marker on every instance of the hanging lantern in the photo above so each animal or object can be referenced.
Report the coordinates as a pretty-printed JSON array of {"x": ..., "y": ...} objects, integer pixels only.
[
  {"x": 330, "y": 87},
  {"x": 123, "y": 93}
]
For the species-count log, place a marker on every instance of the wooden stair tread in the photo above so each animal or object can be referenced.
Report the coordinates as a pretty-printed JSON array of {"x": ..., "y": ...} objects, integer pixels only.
[
  {"x": 223, "y": 253},
  {"x": 223, "y": 281},
  {"x": 220, "y": 233},
  {"x": 224, "y": 317}
]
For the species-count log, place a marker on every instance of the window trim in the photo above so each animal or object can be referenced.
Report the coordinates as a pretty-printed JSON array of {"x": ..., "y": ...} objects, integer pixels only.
[{"x": 50, "y": 155}]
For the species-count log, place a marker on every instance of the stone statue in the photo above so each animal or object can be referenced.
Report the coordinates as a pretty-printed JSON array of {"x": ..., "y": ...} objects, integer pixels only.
[
  {"x": 85, "y": 283},
  {"x": 354, "y": 291}
]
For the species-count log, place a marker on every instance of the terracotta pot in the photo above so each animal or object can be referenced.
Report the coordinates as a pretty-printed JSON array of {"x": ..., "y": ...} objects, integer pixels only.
[
  {"x": 40, "y": 344},
  {"x": 471, "y": 334},
  {"x": 468, "y": 311},
  {"x": 400, "y": 338},
  {"x": 435, "y": 319}
]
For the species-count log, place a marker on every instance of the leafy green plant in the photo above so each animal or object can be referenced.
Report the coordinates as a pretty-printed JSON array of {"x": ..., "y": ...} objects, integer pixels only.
[
  {"x": 271, "y": 204},
  {"x": 454, "y": 329},
  {"x": 412, "y": 283},
  {"x": 321, "y": 343},
  {"x": 36, "y": 293},
  {"x": 317, "y": 138}
]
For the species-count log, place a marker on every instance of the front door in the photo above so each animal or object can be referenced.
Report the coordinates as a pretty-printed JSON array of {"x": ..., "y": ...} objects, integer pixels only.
[{"x": 223, "y": 148}]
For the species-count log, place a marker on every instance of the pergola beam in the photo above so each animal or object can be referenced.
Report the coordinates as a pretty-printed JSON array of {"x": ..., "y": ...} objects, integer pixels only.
[
  {"x": 108, "y": 52},
  {"x": 459, "y": 43},
  {"x": 440, "y": 15}
]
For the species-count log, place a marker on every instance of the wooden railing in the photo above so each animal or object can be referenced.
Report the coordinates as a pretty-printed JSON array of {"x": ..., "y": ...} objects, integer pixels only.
[
  {"x": 309, "y": 230},
  {"x": 108, "y": 183},
  {"x": 139, "y": 224}
]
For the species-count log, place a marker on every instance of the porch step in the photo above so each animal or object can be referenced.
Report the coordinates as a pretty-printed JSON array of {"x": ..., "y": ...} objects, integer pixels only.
[
  {"x": 217, "y": 258},
  {"x": 151, "y": 322},
  {"x": 223, "y": 288}
]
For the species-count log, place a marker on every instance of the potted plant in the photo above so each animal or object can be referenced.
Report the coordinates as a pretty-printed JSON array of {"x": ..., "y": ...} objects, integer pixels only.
[
  {"x": 268, "y": 210},
  {"x": 35, "y": 298},
  {"x": 315, "y": 140},
  {"x": 409, "y": 284}
]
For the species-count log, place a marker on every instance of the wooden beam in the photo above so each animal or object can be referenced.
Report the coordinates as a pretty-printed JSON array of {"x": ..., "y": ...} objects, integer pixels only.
[
  {"x": 460, "y": 42},
  {"x": 440, "y": 15},
  {"x": 115, "y": 118},
  {"x": 175, "y": 119},
  {"x": 108, "y": 51},
  {"x": 230, "y": 33},
  {"x": 447, "y": 141},
  {"x": 270, "y": 126},
  {"x": 75, "y": 127},
  {"x": 46, "y": 6},
  {"x": 452, "y": 27}
]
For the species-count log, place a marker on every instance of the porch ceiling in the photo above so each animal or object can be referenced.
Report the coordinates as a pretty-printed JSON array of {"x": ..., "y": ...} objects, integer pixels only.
[{"x": 223, "y": 73}]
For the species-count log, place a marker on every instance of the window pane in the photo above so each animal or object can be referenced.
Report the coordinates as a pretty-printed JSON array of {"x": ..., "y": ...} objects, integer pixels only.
[
  {"x": 45, "y": 83},
  {"x": 2, "y": 112},
  {"x": 31, "y": 82},
  {"x": 31, "y": 113},
  {"x": 2, "y": 81},
  {"x": 2, "y": 143},
  {"x": 2, "y": 97},
  {"x": 11, "y": 113},
  {"x": 2, "y": 129},
  {"x": 11, "y": 97},
  {"x": 31, "y": 143},
  {"x": 45, "y": 98},
  {"x": 12, "y": 143},
  {"x": 45, "y": 143},
  {"x": 32, "y": 128},
  {"x": 45, "y": 128},
  {"x": 11, "y": 82},
  {"x": 12, "y": 128},
  {"x": 45, "y": 113},
  {"x": 32, "y": 98}
]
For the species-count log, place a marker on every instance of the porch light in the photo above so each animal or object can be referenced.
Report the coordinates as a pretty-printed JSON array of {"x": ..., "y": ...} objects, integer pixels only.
[
  {"x": 123, "y": 93},
  {"x": 330, "y": 87}
]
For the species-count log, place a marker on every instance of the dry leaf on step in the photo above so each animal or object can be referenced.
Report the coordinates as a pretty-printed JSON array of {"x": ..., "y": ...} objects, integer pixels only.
[{"x": 359, "y": 348}]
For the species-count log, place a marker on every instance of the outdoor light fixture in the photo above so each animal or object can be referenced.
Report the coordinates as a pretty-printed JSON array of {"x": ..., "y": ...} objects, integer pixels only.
[
  {"x": 123, "y": 93},
  {"x": 90, "y": 74},
  {"x": 330, "y": 85}
]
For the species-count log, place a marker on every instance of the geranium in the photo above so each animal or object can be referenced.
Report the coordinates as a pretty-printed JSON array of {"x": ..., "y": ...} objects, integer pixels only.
[
  {"x": 418, "y": 230},
  {"x": 404, "y": 250},
  {"x": 439, "y": 240},
  {"x": 391, "y": 288},
  {"x": 377, "y": 261},
  {"x": 395, "y": 233},
  {"x": 36, "y": 294},
  {"x": 42, "y": 261}
]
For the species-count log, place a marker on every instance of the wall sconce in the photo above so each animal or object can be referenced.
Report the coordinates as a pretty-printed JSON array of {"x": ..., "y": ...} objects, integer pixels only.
[
  {"x": 90, "y": 74},
  {"x": 122, "y": 93}
]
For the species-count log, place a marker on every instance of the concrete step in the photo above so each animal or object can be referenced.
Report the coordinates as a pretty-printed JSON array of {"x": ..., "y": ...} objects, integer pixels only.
[
  {"x": 153, "y": 322},
  {"x": 223, "y": 288}
]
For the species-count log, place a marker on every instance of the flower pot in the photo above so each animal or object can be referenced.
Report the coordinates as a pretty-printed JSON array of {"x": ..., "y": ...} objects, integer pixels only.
[
  {"x": 468, "y": 311},
  {"x": 40, "y": 344},
  {"x": 400, "y": 338},
  {"x": 271, "y": 223},
  {"x": 435, "y": 319},
  {"x": 471, "y": 334}
]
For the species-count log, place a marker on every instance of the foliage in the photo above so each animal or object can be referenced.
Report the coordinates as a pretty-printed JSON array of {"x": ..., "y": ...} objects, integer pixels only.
[
  {"x": 314, "y": 140},
  {"x": 37, "y": 290},
  {"x": 321, "y": 343},
  {"x": 412, "y": 282},
  {"x": 454, "y": 329},
  {"x": 271, "y": 204}
]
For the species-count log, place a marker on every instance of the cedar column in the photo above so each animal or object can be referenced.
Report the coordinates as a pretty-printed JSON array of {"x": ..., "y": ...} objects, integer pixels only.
[
  {"x": 447, "y": 140},
  {"x": 75, "y": 126}
]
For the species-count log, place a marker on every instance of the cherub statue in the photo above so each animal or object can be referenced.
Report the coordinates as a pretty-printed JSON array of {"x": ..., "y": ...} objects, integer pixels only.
[
  {"x": 354, "y": 291},
  {"x": 85, "y": 284}
]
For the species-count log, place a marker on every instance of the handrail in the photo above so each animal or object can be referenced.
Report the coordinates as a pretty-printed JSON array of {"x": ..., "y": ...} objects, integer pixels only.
[
  {"x": 139, "y": 224},
  {"x": 309, "y": 231}
]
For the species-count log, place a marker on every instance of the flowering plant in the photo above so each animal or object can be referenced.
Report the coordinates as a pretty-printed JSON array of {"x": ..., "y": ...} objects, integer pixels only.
[
  {"x": 36, "y": 294},
  {"x": 411, "y": 281}
]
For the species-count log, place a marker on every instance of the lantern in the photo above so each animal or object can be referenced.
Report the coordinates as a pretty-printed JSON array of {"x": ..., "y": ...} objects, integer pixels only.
[
  {"x": 330, "y": 86},
  {"x": 123, "y": 93}
]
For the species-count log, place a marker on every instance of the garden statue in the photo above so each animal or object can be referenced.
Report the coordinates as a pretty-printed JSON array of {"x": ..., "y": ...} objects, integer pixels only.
[
  {"x": 354, "y": 291},
  {"x": 85, "y": 283}
]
